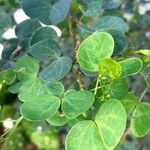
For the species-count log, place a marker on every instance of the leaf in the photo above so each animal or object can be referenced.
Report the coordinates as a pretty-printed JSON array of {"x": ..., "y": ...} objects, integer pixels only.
[
  {"x": 57, "y": 120},
  {"x": 140, "y": 122},
  {"x": 26, "y": 68},
  {"x": 130, "y": 66},
  {"x": 46, "y": 107},
  {"x": 101, "y": 134},
  {"x": 111, "y": 22},
  {"x": 5, "y": 21},
  {"x": 145, "y": 52},
  {"x": 54, "y": 88},
  {"x": 57, "y": 70},
  {"x": 45, "y": 50},
  {"x": 111, "y": 121},
  {"x": 109, "y": 67},
  {"x": 37, "y": 9},
  {"x": 75, "y": 103},
  {"x": 93, "y": 49},
  {"x": 59, "y": 11},
  {"x": 110, "y": 4},
  {"x": 29, "y": 89},
  {"x": 129, "y": 102},
  {"x": 43, "y": 33},
  {"x": 93, "y": 7},
  {"x": 84, "y": 133},
  {"x": 118, "y": 88},
  {"x": 26, "y": 28}
]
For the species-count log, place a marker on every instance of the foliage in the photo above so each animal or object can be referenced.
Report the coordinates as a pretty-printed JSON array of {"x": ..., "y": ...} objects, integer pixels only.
[{"x": 41, "y": 70}]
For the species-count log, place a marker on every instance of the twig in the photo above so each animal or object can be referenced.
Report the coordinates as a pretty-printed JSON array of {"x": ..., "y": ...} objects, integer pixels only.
[{"x": 18, "y": 48}]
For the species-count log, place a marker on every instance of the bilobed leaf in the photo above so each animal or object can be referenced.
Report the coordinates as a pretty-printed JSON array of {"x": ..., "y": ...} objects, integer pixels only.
[
  {"x": 140, "y": 122},
  {"x": 101, "y": 134},
  {"x": 57, "y": 120},
  {"x": 111, "y": 122},
  {"x": 75, "y": 103},
  {"x": 45, "y": 50},
  {"x": 129, "y": 102},
  {"x": 29, "y": 89},
  {"x": 118, "y": 88},
  {"x": 37, "y": 9},
  {"x": 109, "y": 67},
  {"x": 40, "y": 108},
  {"x": 111, "y": 23},
  {"x": 57, "y": 70},
  {"x": 130, "y": 66},
  {"x": 54, "y": 88},
  {"x": 84, "y": 133},
  {"x": 92, "y": 50},
  {"x": 59, "y": 11},
  {"x": 110, "y": 4},
  {"x": 27, "y": 27}
]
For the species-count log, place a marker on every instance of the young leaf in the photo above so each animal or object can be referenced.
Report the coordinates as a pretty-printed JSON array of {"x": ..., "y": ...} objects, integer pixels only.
[
  {"x": 37, "y": 9},
  {"x": 109, "y": 67},
  {"x": 57, "y": 70},
  {"x": 26, "y": 68},
  {"x": 92, "y": 50},
  {"x": 118, "y": 89},
  {"x": 54, "y": 88},
  {"x": 26, "y": 28},
  {"x": 111, "y": 22},
  {"x": 140, "y": 122},
  {"x": 130, "y": 66},
  {"x": 75, "y": 103},
  {"x": 84, "y": 133},
  {"x": 40, "y": 108},
  {"x": 111, "y": 122},
  {"x": 59, "y": 11},
  {"x": 45, "y": 50}
]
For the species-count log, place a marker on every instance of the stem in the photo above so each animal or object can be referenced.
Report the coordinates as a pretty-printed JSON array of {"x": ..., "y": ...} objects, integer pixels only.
[
  {"x": 96, "y": 86},
  {"x": 143, "y": 93}
]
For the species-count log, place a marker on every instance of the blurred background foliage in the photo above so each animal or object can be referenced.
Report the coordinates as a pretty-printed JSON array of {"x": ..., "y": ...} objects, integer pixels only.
[{"x": 33, "y": 136}]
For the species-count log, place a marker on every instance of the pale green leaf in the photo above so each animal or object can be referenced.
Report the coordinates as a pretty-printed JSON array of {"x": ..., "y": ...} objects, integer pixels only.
[
  {"x": 140, "y": 122},
  {"x": 92, "y": 50},
  {"x": 75, "y": 103}
]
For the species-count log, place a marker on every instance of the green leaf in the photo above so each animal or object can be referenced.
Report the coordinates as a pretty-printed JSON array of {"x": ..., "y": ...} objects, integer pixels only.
[
  {"x": 130, "y": 66},
  {"x": 37, "y": 9},
  {"x": 26, "y": 28},
  {"x": 111, "y": 122},
  {"x": 75, "y": 103},
  {"x": 92, "y": 50},
  {"x": 15, "y": 88},
  {"x": 111, "y": 22},
  {"x": 26, "y": 68},
  {"x": 118, "y": 88},
  {"x": 145, "y": 52},
  {"x": 109, "y": 67},
  {"x": 93, "y": 7},
  {"x": 101, "y": 134},
  {"x": 110, "y": 4},
  {"x": 40, "y": 108},
  {"x": 5, "y": 21},
  {"x": 43, "y": 33},
  {"x": 45, "y": 50},
  {"x": 30, "y": 89},
  {"x": 129, "y": 102},
  {"x": 59, "y": 11},
  {"x": 140, "y": 122},
  {"x": 57, "y": 120},
  {"x": 54, "y": 88},
  {"x": 57, "y": 70},
  {"x": 84, "y": 133}
]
